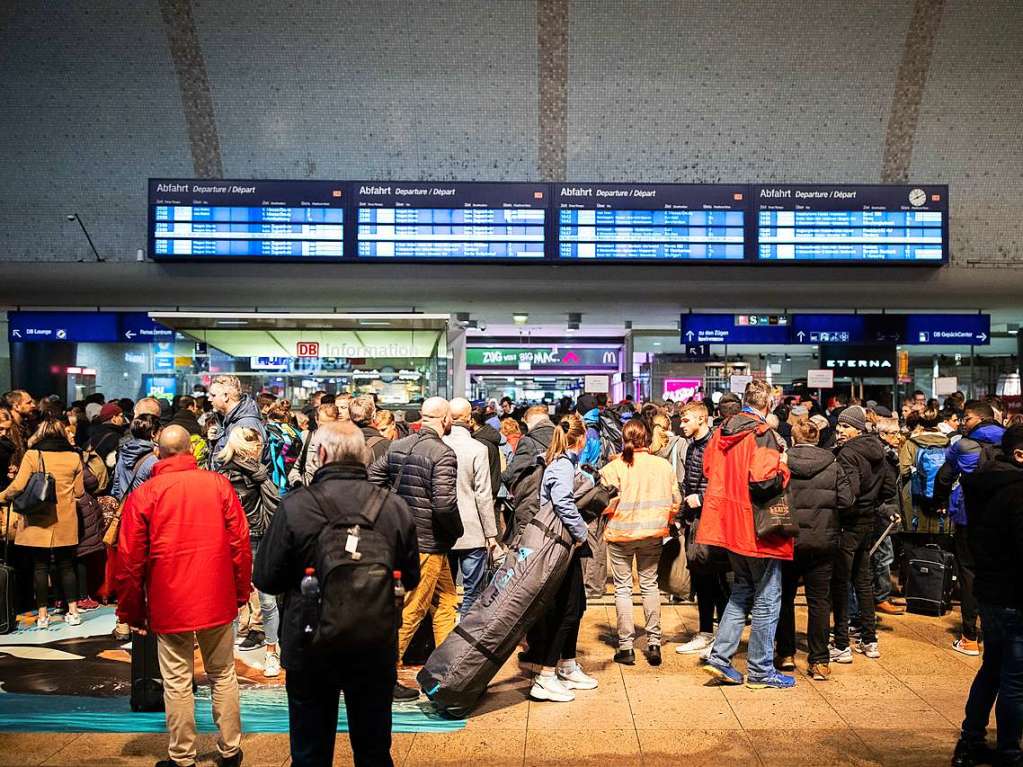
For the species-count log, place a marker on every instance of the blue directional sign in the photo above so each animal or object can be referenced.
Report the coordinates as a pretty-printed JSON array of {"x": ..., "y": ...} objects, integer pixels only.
[
  {"x": 827, "y": 329},
  {"x": 734, "y": 329},
  {"x": 73, "y": 327},
  {"x": 948, "y": 329},
  {"x": 138, "y": 327}
]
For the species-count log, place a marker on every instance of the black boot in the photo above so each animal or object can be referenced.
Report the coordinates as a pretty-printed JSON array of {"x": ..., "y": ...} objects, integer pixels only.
[
  {"x": 403, "y": 694},
  {"x": 969, "y": 753},
  {"x": 626, "y": 657},
  {"x": 653, "y": 655}
]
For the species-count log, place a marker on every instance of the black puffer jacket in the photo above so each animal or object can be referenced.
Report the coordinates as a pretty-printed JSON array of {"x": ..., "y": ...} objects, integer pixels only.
[
  {"x": 289, "y": 546},
  {"x": 862, "y": 459},
  {"x": 818, "y": 492},
  {"x": 993, "y": 497},
  {"x": 427, "y": 484},
  {"x": 256, "y": 491},
  {"x": 491, "y": 437},
  {"x": 532, "y": 444}
]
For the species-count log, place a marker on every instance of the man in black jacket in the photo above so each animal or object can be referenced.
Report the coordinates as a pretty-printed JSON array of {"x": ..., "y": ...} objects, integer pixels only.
[
  {"x": 861, "y": 457},
  {"x": 314, "y": 684},
  {"x": 994, "y": 511},
  {"x": 424, "y": 472},
  {"x": 525, "y": 501},
  {"x": 361, "y": 410}
]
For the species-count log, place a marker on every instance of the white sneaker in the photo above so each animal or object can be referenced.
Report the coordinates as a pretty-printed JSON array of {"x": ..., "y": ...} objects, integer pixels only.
[
  {"x": 550, "y": 688},
  {"x": 869, "y": 649},
  {"x": 43, "y": 623},
  {"x": 697, "y": 644},
  {"x": 840, "y": 656},
  {"x": 573, "y": 677},
  {"x": 73, "y": 619},
  {"x": 272, "y": 665}
]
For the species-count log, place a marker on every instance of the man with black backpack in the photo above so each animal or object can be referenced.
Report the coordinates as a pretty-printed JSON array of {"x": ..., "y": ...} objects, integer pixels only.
[
  {"x": 342, "y": 552},
  {"x": 522, "y": 476}
]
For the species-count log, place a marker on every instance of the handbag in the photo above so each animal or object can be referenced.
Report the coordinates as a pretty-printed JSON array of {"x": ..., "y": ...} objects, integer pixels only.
[
  {"x": 114, "y": 527},
  {"x": 673, "y": 568},
  {"x": 774, "y": 518},
  {"x": 39, "y": 495},
  {"x": 702, "y": 558}
]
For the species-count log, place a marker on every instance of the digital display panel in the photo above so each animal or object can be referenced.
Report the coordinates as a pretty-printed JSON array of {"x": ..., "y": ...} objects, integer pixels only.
[
  {"x": 450, "y": 220},
  {"x": 851, "y": 223},
  {"x": 214, "y": 219},
  {"x": 657, "y": 222}
]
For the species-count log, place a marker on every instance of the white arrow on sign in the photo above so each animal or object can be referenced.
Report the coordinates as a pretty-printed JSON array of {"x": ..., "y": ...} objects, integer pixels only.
[
  {"x": 689, "y": 335},
  {"x": 129, "y": 335},
  {"x": 800, "y": 336},
  {"x": 982, "y": 337},
  {"x": 16, "y": 333}
]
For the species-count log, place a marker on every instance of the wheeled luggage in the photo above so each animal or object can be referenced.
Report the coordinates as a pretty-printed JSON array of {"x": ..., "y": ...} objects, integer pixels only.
[
  {"x": 146, "y": 681},
  {"x": 930, "y": 578}
]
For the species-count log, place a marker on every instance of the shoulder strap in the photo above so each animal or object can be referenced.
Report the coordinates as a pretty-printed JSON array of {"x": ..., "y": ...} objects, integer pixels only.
[
  {"x": 370, "y": 515},
  {"x": 42, "y": 462}
]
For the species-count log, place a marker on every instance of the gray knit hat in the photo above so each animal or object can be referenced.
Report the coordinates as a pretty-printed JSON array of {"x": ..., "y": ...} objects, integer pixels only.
[{"x": 854, "y": 416}]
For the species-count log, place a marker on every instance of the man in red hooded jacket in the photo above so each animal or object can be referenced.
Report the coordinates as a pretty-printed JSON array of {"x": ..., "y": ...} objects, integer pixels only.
[
  {"x": 745, "y": 459},
  {"x": 185, "y": 565}
]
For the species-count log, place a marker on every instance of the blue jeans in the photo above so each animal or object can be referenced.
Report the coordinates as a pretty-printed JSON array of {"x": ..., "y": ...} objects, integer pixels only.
[
  {"x": 757, "y": 590},
  {"x": 1000, "y": 677},
  {"x": 472, "y": 564},
  {"x": 267, "y": 606}
]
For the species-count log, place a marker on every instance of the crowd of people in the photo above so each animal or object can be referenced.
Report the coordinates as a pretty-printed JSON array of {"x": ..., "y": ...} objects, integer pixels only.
[{"x": 187, "y": 512}]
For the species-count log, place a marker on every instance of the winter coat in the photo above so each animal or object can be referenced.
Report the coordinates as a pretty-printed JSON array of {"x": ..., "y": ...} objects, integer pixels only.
[
  {"x": 184, "y": 559},
  {"x": 475, "y": 500},
  {"x": 90, "y": 526},
  {"x": 104, "y": 439},
  {"x": 376, "y": 442},
  {"x": 648, "y": 497},
  {"x": 59, "y": 525},
  {"x": 818, "y": 493},
  {"x": 557, "y": 487},
  {"x": 531, "y": 445},
  {"x": 135, "y": 463},
  {"x": 863, "y": 460},
  {"x": 491, "y": 439},
  {"x": 993, "y": 497},
  {"x": 674, "y": 453},
  {"x": 288, "y": 546},
  {"x": 244, "y": 414},
  {"x": 964, "y": 457},
  {"x": 694, "y": 480},
  {"x": 744, "y": 452},
  {"x": 256, "y": 491},
  {"x": 428, "y": 484}
]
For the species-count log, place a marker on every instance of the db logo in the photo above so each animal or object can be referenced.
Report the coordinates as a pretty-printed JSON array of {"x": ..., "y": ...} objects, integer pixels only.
[{"x": 308, "y": 349}]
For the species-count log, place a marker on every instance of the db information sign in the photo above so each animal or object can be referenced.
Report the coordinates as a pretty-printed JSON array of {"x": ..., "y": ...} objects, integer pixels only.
[{"x": 307, "y": 349}]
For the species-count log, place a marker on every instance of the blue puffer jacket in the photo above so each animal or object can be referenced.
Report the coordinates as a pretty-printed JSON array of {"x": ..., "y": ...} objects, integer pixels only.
[
  {"x": 428, "y": 485},
  {"x": 591, "y": 453},
  {"x": 245, "y": 413},
  {"x": 963, "y": 457},
  {"x": 140, "y": 452}
]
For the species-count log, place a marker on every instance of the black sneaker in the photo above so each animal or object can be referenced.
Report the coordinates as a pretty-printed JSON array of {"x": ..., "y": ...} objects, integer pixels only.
[
  {"x": 230, "y": 761},
  {"x": 253, "y": 641},
  {"x": 404, "y": 694},
  {"x": 969, "y": 753},
  {"x": 653, "y": 655},
  {"x": 626, "y": 657}
]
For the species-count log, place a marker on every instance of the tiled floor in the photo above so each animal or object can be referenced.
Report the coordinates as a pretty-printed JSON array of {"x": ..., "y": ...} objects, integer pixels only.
[{"x": 903, "y": 709}]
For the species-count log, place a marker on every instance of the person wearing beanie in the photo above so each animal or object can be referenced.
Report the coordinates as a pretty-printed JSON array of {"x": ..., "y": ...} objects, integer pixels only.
[
  {"x": 861, "y": 456},
  {"x": 107, "y": 431}
]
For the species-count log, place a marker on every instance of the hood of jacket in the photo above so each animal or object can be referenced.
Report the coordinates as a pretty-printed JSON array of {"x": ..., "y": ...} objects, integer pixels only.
[
  {"x": 246, "y": 408},
  {"x": 869, "y": 447},
  {"x": 737, "y": 428},
  {"x": 135, "y": 449},
  {"x": 489, "y": 434},
  {"x": 541, "y": 432},
  {"x": 807, "y": 461},
  {"x": 592, "y": 417},
  {"x": 180, "y": 462},
  {"x": 186, "y": 420},
  {"x": 989, "y": 432},
  {"x": 930, "y": 439}
]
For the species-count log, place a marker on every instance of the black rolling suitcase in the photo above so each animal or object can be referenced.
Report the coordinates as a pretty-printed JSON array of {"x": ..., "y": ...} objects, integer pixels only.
[
  {"x": 8, "y": 592},
  {"x": 146, "y": 682},
  {"x": 930, "y": 578}
]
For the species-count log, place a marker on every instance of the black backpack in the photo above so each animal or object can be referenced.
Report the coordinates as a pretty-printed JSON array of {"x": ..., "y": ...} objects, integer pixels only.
[
  {"x": 358, "y": 612},
  {"x": 609, "y": 427}
]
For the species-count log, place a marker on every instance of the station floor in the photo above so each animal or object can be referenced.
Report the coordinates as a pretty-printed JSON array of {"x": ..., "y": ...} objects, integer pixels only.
[{"x": 903, "y": 709}]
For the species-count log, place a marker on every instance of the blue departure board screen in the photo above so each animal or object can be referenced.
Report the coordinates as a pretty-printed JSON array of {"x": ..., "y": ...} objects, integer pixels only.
[
  {"x": 852, "y": 223},
  {"x": 450, "y": 220},
  {"x": 656, "y": 222},
  {"x": 214, "y": 219}
]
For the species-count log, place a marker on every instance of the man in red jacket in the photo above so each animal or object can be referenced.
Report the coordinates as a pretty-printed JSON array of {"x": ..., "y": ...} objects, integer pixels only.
[
  {"x": 745, "y": 460},
  {"x": 185, "y": 569}
]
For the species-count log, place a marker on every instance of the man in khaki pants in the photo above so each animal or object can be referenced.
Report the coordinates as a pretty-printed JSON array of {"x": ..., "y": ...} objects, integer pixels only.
[{"x": 185, "y": 568}]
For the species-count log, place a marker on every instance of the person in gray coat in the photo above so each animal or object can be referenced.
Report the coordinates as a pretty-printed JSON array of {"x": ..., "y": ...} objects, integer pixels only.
[{"x": 475, "y": 504}]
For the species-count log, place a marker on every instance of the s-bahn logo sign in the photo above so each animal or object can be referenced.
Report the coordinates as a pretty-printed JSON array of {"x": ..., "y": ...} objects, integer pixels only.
[{"x": 542, "y": 357}]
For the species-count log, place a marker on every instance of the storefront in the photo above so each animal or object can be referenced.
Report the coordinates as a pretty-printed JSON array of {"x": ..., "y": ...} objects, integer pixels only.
[{"x": 543, "y": 372}]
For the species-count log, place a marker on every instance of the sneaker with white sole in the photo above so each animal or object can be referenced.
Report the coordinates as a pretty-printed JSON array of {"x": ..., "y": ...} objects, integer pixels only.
[
  {"x": 550, "y": 688},
  {"x": 869, "y": 649},
  {"x": 574, "y": 678},
  {"x": 43, "y": 623},
  {"x": 697, "y": 644},
  {"x": 73, "y": 619},
  {"x": 272, "y": 665},
  {"x": 840, "y": 656},
  {"x": 967, "y": 646}
]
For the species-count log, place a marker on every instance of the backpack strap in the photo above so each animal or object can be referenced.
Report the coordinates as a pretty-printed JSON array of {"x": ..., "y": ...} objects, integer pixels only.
[{"x": 372, "y": 513}]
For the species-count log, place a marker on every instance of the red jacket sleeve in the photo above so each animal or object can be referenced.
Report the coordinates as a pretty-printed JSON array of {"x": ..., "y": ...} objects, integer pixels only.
[
  {"x": 132, "y": 553},
  {"x": 238, "y": 538}
]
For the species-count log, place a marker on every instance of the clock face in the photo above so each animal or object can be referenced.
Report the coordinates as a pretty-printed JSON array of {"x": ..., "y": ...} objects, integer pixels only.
[{"x": 917, "y": 197}]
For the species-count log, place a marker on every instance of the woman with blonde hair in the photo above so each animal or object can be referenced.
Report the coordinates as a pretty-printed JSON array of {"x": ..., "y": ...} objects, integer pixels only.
[
  {"x": 240, "y": 462},
  {"x": 54, "y": 531}
]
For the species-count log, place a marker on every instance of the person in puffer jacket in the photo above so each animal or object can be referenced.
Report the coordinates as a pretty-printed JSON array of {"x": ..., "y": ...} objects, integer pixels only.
[
  {"x": 818, "y": 492},
  {"x": 424, "y": 472},
  {"x": 137, "y": 456},
  {"x": 983, "y": 436}
]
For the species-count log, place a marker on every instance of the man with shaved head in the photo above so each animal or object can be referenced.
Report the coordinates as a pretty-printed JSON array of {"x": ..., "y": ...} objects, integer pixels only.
[
  {"x": 184, "y": 569},
  {"x": 423, "y": 471},
  {"x": 475, "y": 503}
]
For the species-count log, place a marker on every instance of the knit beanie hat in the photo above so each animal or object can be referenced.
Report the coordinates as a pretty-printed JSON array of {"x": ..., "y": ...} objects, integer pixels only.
[{"x": 854, "y": 416}]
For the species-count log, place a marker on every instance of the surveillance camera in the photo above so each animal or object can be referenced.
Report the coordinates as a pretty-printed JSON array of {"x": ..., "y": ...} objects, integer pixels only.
[
  {"x": 482, "y": 325},
  {"x": 70, "y": 216}
]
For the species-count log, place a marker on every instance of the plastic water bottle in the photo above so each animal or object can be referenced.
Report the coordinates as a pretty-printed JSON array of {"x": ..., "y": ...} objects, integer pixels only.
[{"x": 311, "y": 600}]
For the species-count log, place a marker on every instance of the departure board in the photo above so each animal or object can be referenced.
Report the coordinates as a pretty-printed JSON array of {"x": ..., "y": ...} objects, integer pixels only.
[
  {"x": 214, "y": 219},
  {"x": 658, "y": 222},
  {"x": 852, "y": 223},
  {"x": 450, "y": 220}
]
